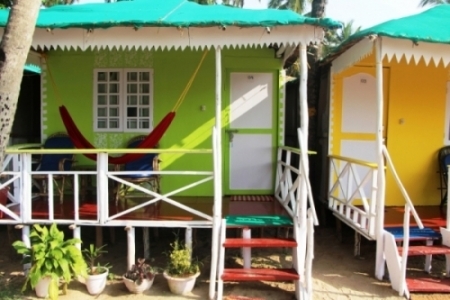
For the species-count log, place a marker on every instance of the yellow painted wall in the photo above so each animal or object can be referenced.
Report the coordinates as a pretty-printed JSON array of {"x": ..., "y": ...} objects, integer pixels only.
[{"x": 415, "y": 97}]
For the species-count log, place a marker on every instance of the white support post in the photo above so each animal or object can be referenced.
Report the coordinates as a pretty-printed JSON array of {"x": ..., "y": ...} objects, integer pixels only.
[
  {"x": 25, "y": 197},
  {"x": 76, "y": 234},
  {"x": 27, "y": 242},
  {"x": 131, "y": 247},
  {"x": 302, "y": 195},
  {"x": 448, "y": 198},
  {"x": 247, "y": 251},
  {"x": 217, "y": 163},
  {"x": 379, "y": 264},
  {"x": 188, "y": 238},
  {"x": 102, "y": 187},
  {"x": 16, "y": 185}
]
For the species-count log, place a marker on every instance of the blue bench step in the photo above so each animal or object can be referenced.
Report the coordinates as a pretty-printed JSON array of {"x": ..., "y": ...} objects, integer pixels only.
[
  {"x": 258, "y": 221},
  {"x": 415, "y": 233}
]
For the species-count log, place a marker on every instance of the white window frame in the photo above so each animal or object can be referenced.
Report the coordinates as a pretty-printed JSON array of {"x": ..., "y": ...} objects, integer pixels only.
[{"x": 122, "y": 100}]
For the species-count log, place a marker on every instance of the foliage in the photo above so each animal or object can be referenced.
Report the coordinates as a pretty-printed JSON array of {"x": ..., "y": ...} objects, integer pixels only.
[
  {"x": 333, "y": 38},
  {"x": 140, "y": 271},
  {"x": 433, "y": 2},
  {"x": 296, "y": 5},
  {"x": 91, "y": 255},
  {"x": 180, "y": 262},
  {"x": 51, "y": 256}
]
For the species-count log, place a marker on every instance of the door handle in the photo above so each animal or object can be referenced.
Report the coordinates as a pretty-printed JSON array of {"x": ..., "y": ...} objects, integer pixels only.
[{"x": 231, "y": 133}]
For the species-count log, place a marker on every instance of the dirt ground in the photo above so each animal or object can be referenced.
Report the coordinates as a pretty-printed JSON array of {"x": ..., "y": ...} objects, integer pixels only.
[{"x": 337, "y": 273}]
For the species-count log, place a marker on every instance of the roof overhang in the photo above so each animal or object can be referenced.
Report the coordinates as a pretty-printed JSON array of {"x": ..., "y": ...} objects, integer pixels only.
[
  {"x": 393, "y": 48},
  {"x": 174, "y": 38}
]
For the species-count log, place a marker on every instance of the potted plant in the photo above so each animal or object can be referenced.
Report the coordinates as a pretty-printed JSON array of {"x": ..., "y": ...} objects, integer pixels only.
[
  {"x": 52, "y": 258},
  {"x": 96, "y": 273},
  {"x": 181, "y": 272},
  {"x": 140, "y": 277}
]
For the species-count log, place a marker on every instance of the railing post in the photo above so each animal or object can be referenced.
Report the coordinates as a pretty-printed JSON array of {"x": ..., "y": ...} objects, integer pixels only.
[
  {"x": 102, "y": 187},
  {"x": 17, "y": 183},
  {"x": 26, "y": 183}
]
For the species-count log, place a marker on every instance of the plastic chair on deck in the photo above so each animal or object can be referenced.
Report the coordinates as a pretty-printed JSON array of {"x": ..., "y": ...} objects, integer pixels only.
[
  {"x": 148, "y": 162},
  {"x": 55, "y": 162},
  {"x": 444, "y": 161}
]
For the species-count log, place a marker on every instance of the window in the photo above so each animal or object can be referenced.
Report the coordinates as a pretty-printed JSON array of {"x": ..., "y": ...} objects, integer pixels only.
[{"x": 123, "y": 100}]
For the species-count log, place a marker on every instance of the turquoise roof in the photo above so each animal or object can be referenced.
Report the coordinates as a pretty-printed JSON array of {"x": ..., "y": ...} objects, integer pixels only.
[
  {"x": 432, "y": 25},
  {"x": 165, "y": 13}
]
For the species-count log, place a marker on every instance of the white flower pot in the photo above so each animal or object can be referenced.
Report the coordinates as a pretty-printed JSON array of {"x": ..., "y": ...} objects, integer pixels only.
[
  {"x": 95, "y": 284},
  {"x": 41, "y": 287},
  {"x": 138, "y": 288},
  {"x": 181, "y": 285}
]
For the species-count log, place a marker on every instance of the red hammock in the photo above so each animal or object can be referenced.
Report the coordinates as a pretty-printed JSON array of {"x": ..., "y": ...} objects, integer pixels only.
[{"x": 81, "y": 142}]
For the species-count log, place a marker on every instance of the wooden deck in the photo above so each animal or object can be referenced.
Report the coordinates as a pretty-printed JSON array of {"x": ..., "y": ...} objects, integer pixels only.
[
  {"x": 88, "y": 209},
  {"x": 431, "y": 216}
]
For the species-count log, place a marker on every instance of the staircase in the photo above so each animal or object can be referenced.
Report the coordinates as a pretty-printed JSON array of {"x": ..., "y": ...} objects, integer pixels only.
[
  {"x": 426, "y": 243},
  {"x": 247, "y": 242}
]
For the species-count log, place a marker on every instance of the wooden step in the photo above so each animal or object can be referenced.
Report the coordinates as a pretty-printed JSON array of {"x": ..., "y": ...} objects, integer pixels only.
[
  {"x": 426, "y": 250},
  {"x": 428, "y": 285},
  {"x": 260, "y": 274},
  {"x": 415, "y": 233},
  {"x": 258, "y": 221},
  {"x": 260, "y": 243}
]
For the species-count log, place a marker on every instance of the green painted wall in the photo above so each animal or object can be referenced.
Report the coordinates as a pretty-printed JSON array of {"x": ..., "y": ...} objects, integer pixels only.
[{"x": 72, "y": 74}]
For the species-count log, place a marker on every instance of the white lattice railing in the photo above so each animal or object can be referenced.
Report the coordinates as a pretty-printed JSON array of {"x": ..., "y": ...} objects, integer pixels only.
[
  {"x": 17, "y": 177},
  {"x": 353, "y": 193}
]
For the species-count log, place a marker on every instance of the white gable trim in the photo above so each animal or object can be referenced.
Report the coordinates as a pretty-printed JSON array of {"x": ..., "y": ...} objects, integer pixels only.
[
  {"x": 398, "y": 48},
  {"x": 354, "y": 54},
  {"x": 177, "y": 38}
]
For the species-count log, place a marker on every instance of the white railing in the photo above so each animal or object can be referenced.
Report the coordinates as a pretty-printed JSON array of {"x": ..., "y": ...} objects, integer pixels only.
[
  {"x": 17, "y": 172},
  {"x": 352, "y": 193},
  {"x": 288, "y": 181}
]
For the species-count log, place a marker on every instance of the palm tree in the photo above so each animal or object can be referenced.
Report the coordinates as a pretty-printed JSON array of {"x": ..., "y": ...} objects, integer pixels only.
[
  {"x": 433, "y": 2},
  {"x": 334, "y": 38},
  {"x": 296, "y": 5},
  {"x": 14, "y": 48}
]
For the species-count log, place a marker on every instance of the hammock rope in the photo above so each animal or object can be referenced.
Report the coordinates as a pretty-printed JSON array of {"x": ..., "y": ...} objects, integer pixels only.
[{"x": 149, "y": 142}]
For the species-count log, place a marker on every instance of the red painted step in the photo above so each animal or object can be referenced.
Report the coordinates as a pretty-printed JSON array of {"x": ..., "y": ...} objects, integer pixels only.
[
  {"x": 426, "y": 250},
  {"x": 260, "y": 243},
  {"x": 428, "y": 285},
  {"x": 260, "y": 274}
]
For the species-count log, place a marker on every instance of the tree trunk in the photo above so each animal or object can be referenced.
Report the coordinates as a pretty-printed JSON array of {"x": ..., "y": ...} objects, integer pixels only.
[{"x": 14, "y": 49}]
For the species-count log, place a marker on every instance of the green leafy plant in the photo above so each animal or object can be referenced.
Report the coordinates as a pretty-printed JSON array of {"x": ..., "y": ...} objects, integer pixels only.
[
  {"x": 180, "y": 261},
  {"x": 140, "y": 271},
  {"x": 91, "y": 255},
  {"x": 51, "y": 256}
]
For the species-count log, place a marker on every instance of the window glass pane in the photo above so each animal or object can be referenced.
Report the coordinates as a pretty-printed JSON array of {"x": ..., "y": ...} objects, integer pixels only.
[
  {"x": 144, "y": 112},
  {"x": 131, "y": 111},
  {"x": 144, "y": 100},
  {"x": 114, "y": 88},
  {"x": 132, "y": 76},
  {"x": 101, "y": 112},
  {"x": 144, "y": 88},
  {"x": 114, "y": 123},
  {"x": 101, "y": 88},
  {"x": 132, "y": 88},
  {"x": 101, "y": 76},
  {"x": 131, "y": 100},
  {"x": 101, "y": 123},
  {"x": 113, "y": 100},
  {"x": 113, "y": 111},
  {"x": 101, "y": 100},
  {"x": 144, "y": 124},
  {"x": 144, "y": 76},
  {"x": 114, "y": 76},
  {"x": 131, "y": 124}
]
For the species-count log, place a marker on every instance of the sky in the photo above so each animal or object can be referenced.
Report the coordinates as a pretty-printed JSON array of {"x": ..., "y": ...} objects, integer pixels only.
[{"x": 364, "y": 13}]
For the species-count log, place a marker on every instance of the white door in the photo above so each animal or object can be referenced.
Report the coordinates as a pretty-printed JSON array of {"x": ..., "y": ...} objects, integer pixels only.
[{"x": 249, "y": 136}]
